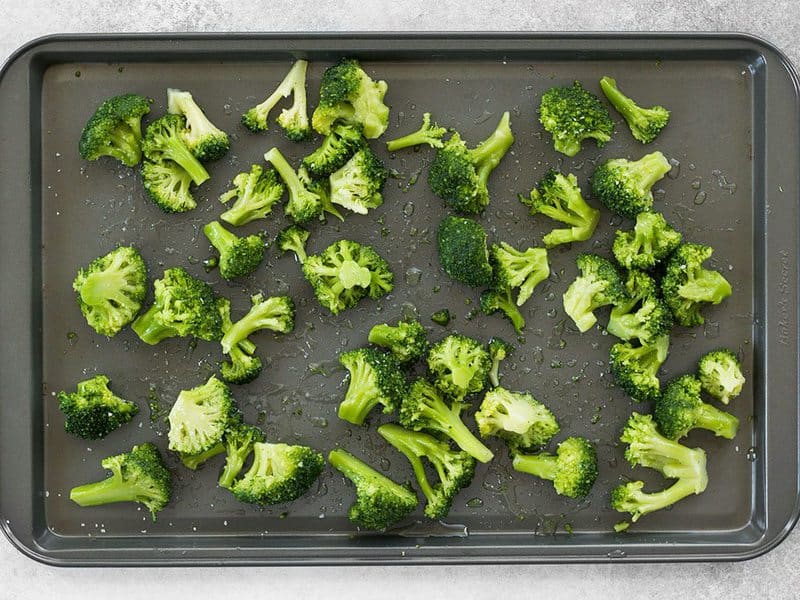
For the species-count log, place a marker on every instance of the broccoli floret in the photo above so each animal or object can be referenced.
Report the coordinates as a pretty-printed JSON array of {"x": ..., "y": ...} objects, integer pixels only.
[
  {"x": 93, "y": 411},
  {"x": 380, "y": 502},
  {"x": 303, "y": 204},
  {"x": 238, "y": 440},
  {"x": 650, "y": 242},
  {"x": 645, "y": 123},
  {"x": 256, "y": 192},
  {"x": 111, "y": 289},
  {"x": 322, "y": 188},
  {"x": 335, "y": 150},
  {"x": 280, "y": 473},
  {"x": 558, "y": 196},
  {"x": 598, "y": 285},
  {"x": 200, "y": 416},
  {"x": 635, "y": 368},
  {"x": 571, "y": 115},
  {"x": 195, "y": 461},
  {"x": 429, "y": 133},
  {"x": 163, "y": 141},
  {"x": 357, "y": 186},
  {"x": 238, "y": 256},
  {"x": 243, "y": 366},
  {"x": 115, "y": 130},
  {"x": 375, "y": 378},
  {"x": 463, "y": 253},
  {"x": 720, "y": 374},
  {"x": 625, "y": 186},
  {"x": 454, "y": 469},
  {"x": 459, "y": 366},
  {"x": 573, "y": 469},
  {"x": 167, "y": 185},
  {"x": 275, "y": 313},
  {"x": 293, "y": 120},
  {"x": 458, "y": 175},
  {"x": 136, "y": 476},
  {"x": 205, "y": 140},
  {"x": 516, "y": 417},
  {"x": 293, "y": 239},
  {"x": 183, "y": 306},
  {"x": 644, "y": 315},
  {"x": 680, "y": 409},
  {"x": 686, "y": 285},
  {"x": 407, "y": 341},
  {"x": 517, "y": 269},
  {"x": 345, "y": 273},
  {"x": 499, "y": 350},
  {"x": 348, "y": 94},
  {"x": 441, "y": 317},
  {"x": 498, "y": 298}
]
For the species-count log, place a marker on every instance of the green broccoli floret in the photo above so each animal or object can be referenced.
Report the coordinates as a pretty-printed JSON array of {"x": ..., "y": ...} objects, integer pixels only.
[
  {"x": 256, "y": 192},
  {"x": 238, "y": 256},
  {"x": 599, "y": 284},
  {"x": 375, "y": 378},
  {"x": 635, "y": 368},
  {"x": 720, "y": 374},
  {"x": 293, "y": 120},
  {"x": 293, "y": 239},
  {"x": 558, "y": 196},
  {"x": 115, "y": 130},
  {"x": 280, "y": 473},
  {"x": 573, "y": 469},
  {"x": 454, "y": 469},
  {"x": 645, "y": 123},
  {"x": 625, "y": 186},
  {"x": 686, "y": 285},
  {"x": 357, "y": 186},
  {"x": 335, "y": 150},
  {"x": 459, "y": 366},
  {"x": 499, "y": 350},
  {"x": 644, "y": 315},
  {"x": 322, "y": 188},
  {"x": 200, "y": 416},
  {"x": 571, "y": 115},
  {"x": 163, "y": 141},
  {"x": 167, "y": 185},
  {"x": 517, "y": 269},
  {"x": 195, "y": 461},
  {"x": 463, "y": 253},
  {"x": 407, "y": 341},
  {"x": 348, "y": 94},
  {"x": 516, "y": 417},
  {"x": 429, "y": 133},
  {"x": 205, "y": 140},
  {"x": 183, "y": 306},
  {"x": 651, "y": 241},
  {"x": 680, "y": 409},
  {"x": 243, "y": 367},
  {"x": 275, "y": 313},
  {"x": 345, "y": 273},
  {"x": 459, "y": 175},
  {"x": 380, "y": 502},
  {"x": 239, "y": 439},
  {"x": 303, "y": 204},
  {"x": 93, "y": 411},
  {"x": 498, "y": 298}
]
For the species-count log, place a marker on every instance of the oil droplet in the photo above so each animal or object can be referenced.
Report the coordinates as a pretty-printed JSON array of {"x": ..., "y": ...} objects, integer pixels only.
[
  {"x": 321, "y": 422},
  {"x": 552, "y": 313},
  {"x": 696, "y": 183},
  {"x": 485, "y": 116},
  {"x": 675, "y": 171},
  {"x": 711, "y": 329},
  {"x": 72, "y": 338},
  {"x": 751, "y": 455},
  {"x": 615, "y": 221},
  {"x": 474, "y": 503},
  {"x": 699, "y": 198},
  {"x": 385, "y": 464},
  {"x": 77, "y": 73},
  {"x": 408, "y": 209},
  {"x": 409, "y": 312}
]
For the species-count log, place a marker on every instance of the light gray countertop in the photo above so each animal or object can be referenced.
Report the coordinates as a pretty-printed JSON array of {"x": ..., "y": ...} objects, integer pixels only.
[{"x": 775, "y": 575}]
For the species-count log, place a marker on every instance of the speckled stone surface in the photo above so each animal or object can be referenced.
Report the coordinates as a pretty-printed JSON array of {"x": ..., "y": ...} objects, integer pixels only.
[{"x": 776, "y": 575}]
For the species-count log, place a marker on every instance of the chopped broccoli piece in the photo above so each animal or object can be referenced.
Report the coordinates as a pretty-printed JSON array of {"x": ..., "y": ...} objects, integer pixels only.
[
  {"x": 322, "y": 188},
  {"x": 375, "y": 378},
  {"x": 163, "y": 141},
  {"x": 303, "y": 204},
  {"x": 357, "y": 186},
  {"x": 720, "y": 374},
  {"x": 200, "y": 416},
  {"x": 571, "y": 115},
  {"x": 598, "y": 285},
  {"x": 167, "y": 185},
  {"x": 293, "y": 120},
  {"x": 293, "y": 239},
  {"x": 498, "y": 298},
  {"x": 195, "y": 461},
  {"x": 459, "y": 366},
  {"x": 645, "y": 123},
  {"x": 573, "y": 469},
  {"x": 635, "y": 368},
  {"x": 335, "y": 150},
  {"x": 651, "y": 241},
  {"x": 256, "y": 192},
  {"x": 205, "y": 140},
  {"x": 499, "y": 350},
  {"x": 243, "y": 366},
  {"x": 429, "y": 133},
  {"x": 516, "y": 417},
  {"x": 625, "y": 186},
  {"x": 463, "y": 253},
  {"x": 407, "y": 341},
  {"x": 517, "y": 269},
  {"x": 239, "y": 439},
  {"x": 680, "y": 409},
  {"x": 238, "y": 256},
  {"x": 280, "y": 473},
  {"x": 644, "y": 316},
  {"x": 93, "y": 411},
  {"x": 115, "y": 130},
  {"x": 441, "y": 317},
  {"x": 275, "y": 313}
]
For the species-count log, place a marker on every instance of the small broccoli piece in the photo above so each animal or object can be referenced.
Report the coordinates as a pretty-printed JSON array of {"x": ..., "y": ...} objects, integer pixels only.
[
  {"x": 463, "y": 253},
  {"x": 458, "y": 175},
  {"x": 280, "y": 473},
  {"x": 375, "y": 378},
  {"x": 645, "y": 123},
  {"x": 573, "y": 469},
  {"x": 205, "y": 140},
  {"x": 454, "y": 469},
  {"x": 239, "y": 439},
  {"x": 167, "y": 185},
  {"x": 238, "y": 256},
  {"x": 459, "y": 366},
  {"x": 499, "y": 350},
  {"x": 644, "y": 315},
  {"x": 625, "y": 186},
  {"x": 380, "y": 502},
  {"x": 598, "y": 285},
  {"x": 357, "y": 186},
  {"x": 558, "y": 196},
  {"x": 93, "y": 411},
  {"x": 441, "y": 317},
  {"x": 303, "y": 204},
  {"x": 322, "y": 188},
  {"x": 498, "y": 298},
  {"x": 115, "y": 130},
  {"x": 407, "y": 341},
  {"x": 517, "y": 269},
  {"x": 275, "y": 313},
  {"x": 680, "y": 409},
  {"x": 571, "y": 115},
  {"x": 720, "y": 374},
  {"x": 293, "y": 120},
  {"x": 348, "y": 94},
  {"x": 195, "y": 461},
  {"x": 243, "y": 366},
  {"x": 635, "y": 368},
  {"x": 163, "y": 141},
  {"x": 335, "y": 150},
  {"x": 293, "y": 239},
  {"x": 651, "y": 241},
  {"x": 686, "y": 285},
  {"x": 518, "y": 418},
  {"x": 256, "y": 192},
  {"x": 429, "y": 133},
  {"x": 199, "y": 417}
]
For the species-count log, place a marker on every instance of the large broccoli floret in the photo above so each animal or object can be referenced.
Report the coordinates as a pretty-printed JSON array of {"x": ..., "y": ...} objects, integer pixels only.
[
  {"x": 115, "y": 130},
  {"x": 280, "y": 473},
  {"x": 335, "y": 150},
  {"x": 645, "y": 123},
  {"x": 293, "y": 239},
  {"x": 517, "y": 269},
  {"x": 256, "y": 192},
  {"x": 200, "y": 416},
  {"x": 463, "y": 253},
  {"x": 93, "y": 410},
  {"x": 238, "y": 256},
  {"x": 205, "y": 140},
  {"x": 571, "y": 115},
  {"x": 599, "y": 284},
  {"x": 516, "y": 417},
  {"x": 407, "y": 341},
  {"x": 239, "y": 439},
  {"x": 459, "y": 175},
  {"x": 680, "y": 409},
  {"x": 573, "y": 469},
  {"x": 644, "y": 315},
  {"x": 635, "y": 368},
  {"x": 275, "y": 313},
  {"x": 650, "y": 242},
  {"x": 167, "y": 185},
  {"x": 499, "y": 299},
  {"x": 243, "y": 367},
  {"x": 375, "y": 378},
  {"x": 720, "y": 374},
  {"x": 303, "y": 204},
  {"x": 459, "y": 366},
  {"x": 163, "y": 141},
  {"x": 625, "y": 186},
  {"x": 293, "y": 120},
  {"x": 357, "y": 186},
  {"x": 499, "y": 350},
  {"x": 429, "y": 133}
]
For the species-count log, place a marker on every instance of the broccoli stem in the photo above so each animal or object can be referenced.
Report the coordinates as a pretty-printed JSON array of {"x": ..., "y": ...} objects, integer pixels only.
[
  {"x": 126, "y": 146},
  {"x": 624, "y": 105},
  {"x": 424, "y": 135},
  {"x": 180, "y": 153},
  {"x": 149, "y": 329},
  {"x": 723, "y": 424},
  {"x": 233, "y": 466},
  {"x": 647, "y": 503},
  {"x": 360, "y": 398},
  {"x": 287, "y": 173},
  {"x": 540, "y": 465},
  {"x": 113, "y": 489},
  {"x": 650, "y": 169},
  {"x": 455, "y": 429},
  {"x": 348, "y": 464},
  {"x": 487, "y": 155},
  {"x": 706, "y": 286},
  {"x": 222, "y": 239}
]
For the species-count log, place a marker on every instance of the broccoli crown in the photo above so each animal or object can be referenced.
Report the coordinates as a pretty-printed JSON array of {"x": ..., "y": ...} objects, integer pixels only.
[
  {"x": 454, "y": 469},
  {"x": 635, "y": 368},
  {"x": 238, "y": 439},
  {"x": 348, "y": 94},
  {"x": 380, "y": 502},
  {"x": 571, "y": 115},
  {"x": 136, "y": 476},
  {"x": 598, "y": 285},
  {"x": 199, "y": 417},
  {"x": 459, "y": 366},
  {"x": 720, "y": 374},
  {"x": 115, "y": 130},
  {"x": 243, "y": 366},
  {"x": 293, "y": 238},
  {"x": 680, "y": 409},
  {"x": 573, "y": 469},
  {"x": 195, "y": 461},
  {"x": 429, "y": 133},
  {"x": 459, "y": 175},
  {"x": 517, "y": 269},
  {"x": 651, "y": 241},
  {"x": 357, "y": 186},
  {"x": 94, "y": 411},
  {"x": 345, "y": 273},
  {"x": 645, "y": 123},
  {"x": 686, "y": 285},
  {"x": 498, "y": 298},
  {"x": 644, "y": 316},
  {"x": 238, "y": 256},
  {"x": 205, "y": 140},
  {"x": 516, "y": 417},
  {"x": 303, "y": 204},
  {"x": 293, "y": 120},
  {"x": 375, "y": 378},
  {"x": 276, "y": 313},
  {"x": 183, "y": 306},
  {"x": 256, "y": 192},
  {"x": 280, "y": 473},
  {"x": 463, "y": 253},
  {"x": 167, "y": 185},
  {"x": 499, "y": 350},
  {"x": 335, "y": 150},
  {"x": 163, "y": 141},
  {"x": 558, "y": 196},
  {"x": 625, "y": 186},
  {"x": 407, "y": 341},
  {"x": 111, "y": 289}
]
